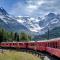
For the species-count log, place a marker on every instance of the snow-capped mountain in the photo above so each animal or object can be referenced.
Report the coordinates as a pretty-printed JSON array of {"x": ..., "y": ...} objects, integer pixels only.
[
  {"x": 36, "y": 25},
  {"x": 50, "y": 21},
  {"x": 40, "y": 25},
  {"x": 31, "y": 23},
  {"x": 9, "y": 22}
]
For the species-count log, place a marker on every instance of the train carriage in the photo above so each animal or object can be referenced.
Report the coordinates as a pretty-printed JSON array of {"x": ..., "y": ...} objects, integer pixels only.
[
  {"x": 5, "y": 44},
  {"x": 32, "y": 45},
  {"x": 21, "y": 45},
  {"x": 41, "y": 46},
  {"x": 53, "y": 47}
]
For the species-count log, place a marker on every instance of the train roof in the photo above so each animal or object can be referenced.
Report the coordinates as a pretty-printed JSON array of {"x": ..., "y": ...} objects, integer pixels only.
[
  {"x": 18, "y": 42},
  {"x": 13, "y": 42},
  {"x": 55, "y": 39},
  {"x": 31, "y": 41}
]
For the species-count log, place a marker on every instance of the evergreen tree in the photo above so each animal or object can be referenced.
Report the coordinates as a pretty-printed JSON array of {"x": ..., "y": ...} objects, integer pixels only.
[
  {"x": 1, "y": 36},
  {"x": 29, "y": 37},
  {"x": 10, "y": 36},
  {"x": 16, "y": 36},
  {"x": 25, "y": 37}
]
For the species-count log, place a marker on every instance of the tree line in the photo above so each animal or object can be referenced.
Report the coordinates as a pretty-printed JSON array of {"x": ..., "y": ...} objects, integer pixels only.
[{"x": 6, "y": 36}]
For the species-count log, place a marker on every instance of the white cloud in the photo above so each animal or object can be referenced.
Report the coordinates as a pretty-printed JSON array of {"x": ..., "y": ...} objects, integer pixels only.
[
  {"x": 35, "y": 7},
  {"x": 27, "y": 9},
  {"x": 31, "y": 8}
]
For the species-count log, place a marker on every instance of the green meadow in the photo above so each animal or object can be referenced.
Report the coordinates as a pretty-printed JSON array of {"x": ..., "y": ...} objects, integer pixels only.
[{"x": 14, "y": 55}]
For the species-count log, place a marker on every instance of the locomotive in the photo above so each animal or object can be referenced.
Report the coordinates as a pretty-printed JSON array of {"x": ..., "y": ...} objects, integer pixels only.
[{"x": 51, "y": 46}]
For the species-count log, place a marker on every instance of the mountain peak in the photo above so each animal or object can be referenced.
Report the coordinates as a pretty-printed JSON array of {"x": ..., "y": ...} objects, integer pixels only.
[
  {"x": 1, "y": 8},
  {"x": 2, "y": 11},
  {"x": 51, "y": 15}
]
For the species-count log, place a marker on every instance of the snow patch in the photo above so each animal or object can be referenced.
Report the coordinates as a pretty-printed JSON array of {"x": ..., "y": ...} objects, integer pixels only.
[{"x": 54, "y": 21}]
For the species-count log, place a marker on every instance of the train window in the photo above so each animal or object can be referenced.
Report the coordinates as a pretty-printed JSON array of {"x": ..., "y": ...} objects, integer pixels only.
[
  {"x": 20, "y": 44},
  {"x": 56, "y": 44},
  {"x": 10, "y": 44},
  {"x": 41, "y": 43},
  {"x": 13, "y": 43},
  {"x": 52, "y": 44},
  {"x": 2, "y": 44},
  {"x": 48, "y": 44},
  {"x": 6, "y": 44},
  {"x": 59, "y": 44},
  {"x": 32, "y": 44}
]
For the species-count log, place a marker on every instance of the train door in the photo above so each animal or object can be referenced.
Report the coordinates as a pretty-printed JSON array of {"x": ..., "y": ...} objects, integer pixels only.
[
  {"x": 26, "y": 45},
  {"x": 56, "y": 44},
  {"x": 51, "y": 45}
]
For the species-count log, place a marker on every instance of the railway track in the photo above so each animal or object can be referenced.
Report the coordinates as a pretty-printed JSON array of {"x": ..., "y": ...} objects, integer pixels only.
[{"x": 42, "y": 55}]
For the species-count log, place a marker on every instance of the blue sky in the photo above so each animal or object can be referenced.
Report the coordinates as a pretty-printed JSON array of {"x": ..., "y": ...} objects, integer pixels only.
[{"x": 30, "y": 7}]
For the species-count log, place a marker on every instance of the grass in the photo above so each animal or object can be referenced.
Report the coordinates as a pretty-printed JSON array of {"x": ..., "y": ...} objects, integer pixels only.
[{"x": 13, "y": 55}]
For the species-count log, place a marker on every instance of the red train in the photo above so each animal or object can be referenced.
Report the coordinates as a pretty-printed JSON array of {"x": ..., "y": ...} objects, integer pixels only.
[{"x": 51, "y": 46}]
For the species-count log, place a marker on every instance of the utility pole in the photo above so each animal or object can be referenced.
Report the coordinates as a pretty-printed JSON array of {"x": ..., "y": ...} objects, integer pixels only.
[{"x": 48, "y": 34}]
